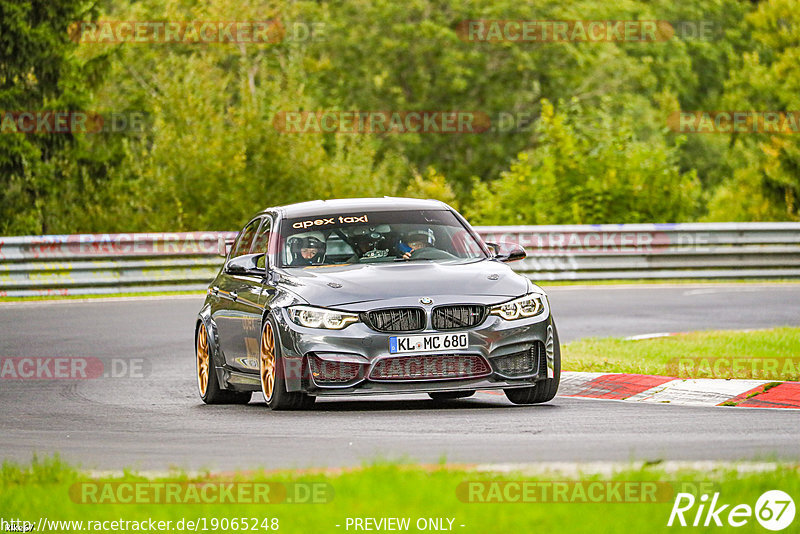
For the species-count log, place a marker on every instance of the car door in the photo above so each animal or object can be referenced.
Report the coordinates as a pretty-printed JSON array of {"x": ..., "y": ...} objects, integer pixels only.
[
  {"x": 234, "y": 316},
  {"x": 250, "y": 301}
]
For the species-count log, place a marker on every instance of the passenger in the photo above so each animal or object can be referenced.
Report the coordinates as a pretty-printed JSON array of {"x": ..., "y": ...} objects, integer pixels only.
[{"x": 418, "y": 239}]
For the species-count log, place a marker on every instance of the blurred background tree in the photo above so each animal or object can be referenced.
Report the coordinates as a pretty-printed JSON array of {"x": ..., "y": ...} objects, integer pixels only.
[
  {"x": 579, "y": 129},
  {"x": 765, "y": 183},
  {"x": 39, "y": 70}
]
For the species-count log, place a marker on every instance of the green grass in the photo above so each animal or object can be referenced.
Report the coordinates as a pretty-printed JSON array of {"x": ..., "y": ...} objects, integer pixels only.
[
  {"x": 772, "y": 354},
  {"x": 42, "y": 489}
]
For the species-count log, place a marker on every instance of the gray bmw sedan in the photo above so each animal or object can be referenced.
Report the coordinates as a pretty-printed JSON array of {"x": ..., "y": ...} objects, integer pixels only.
[{"x": 371, "y": 296}]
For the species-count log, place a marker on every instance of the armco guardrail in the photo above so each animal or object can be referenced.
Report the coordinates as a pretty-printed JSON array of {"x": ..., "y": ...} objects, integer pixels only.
[
  {"x": 114, "y": 263},
  {"x": 649, "y": 251},
  {"x": 108, "y": 263}
]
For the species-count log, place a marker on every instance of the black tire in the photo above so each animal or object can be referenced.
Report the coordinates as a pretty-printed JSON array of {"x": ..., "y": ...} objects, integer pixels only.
[
  {"x": 450, "y": 395},
  {"x": 213, "y": 393},
  {"x": 544, "y": 390},
  {"x": 279, "y": 398}
]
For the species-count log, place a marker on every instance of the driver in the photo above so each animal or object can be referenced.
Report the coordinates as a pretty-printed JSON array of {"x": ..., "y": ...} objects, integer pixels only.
[
  {"x": 418, "y": 239},
  {"x": 369, "y": 245},
  {"x": 307, "y": 249},
  {"x": 365, "y": 243}
]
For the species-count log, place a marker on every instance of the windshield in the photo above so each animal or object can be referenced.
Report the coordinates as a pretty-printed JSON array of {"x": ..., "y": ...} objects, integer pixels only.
[{"x": 376, "y": 236}]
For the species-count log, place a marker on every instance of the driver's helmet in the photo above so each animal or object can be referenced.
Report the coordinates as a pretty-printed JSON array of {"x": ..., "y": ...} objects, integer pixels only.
[
  {"x": 309, "y": 240},
  {"x": 425, "y": 237},
  {"x": 368, "y": 241}
]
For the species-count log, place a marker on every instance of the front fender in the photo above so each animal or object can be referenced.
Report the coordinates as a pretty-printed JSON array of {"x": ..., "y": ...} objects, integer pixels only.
[
  {"x": 292, "y": 364},
  {"x": 217, "y": 358}
]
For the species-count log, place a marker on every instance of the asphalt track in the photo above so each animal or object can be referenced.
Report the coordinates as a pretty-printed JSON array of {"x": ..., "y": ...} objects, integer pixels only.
[{"x": 158, "y": 421}]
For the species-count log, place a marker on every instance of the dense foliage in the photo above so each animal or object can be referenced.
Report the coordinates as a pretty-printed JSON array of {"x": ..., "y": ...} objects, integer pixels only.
[{"x": 580, "y": 131}]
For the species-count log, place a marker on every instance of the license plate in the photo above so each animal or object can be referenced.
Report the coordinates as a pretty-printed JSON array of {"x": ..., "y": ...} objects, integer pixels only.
[{"x": 431, "y": 343}]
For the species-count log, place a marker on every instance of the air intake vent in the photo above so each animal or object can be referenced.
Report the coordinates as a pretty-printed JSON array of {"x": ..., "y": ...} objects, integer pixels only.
[
  {"x": 433, "y": 367},
  {"x": 397, "y": 319},
  {"x": 461, "y": 316},
  {"x": 524, "y": 363},
  {"x": 333, "y": 372}
]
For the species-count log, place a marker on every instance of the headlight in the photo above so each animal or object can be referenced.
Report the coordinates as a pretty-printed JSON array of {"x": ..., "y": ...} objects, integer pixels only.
[
  {"x": 312, "y": 317},
  {"x": 520, "y": 308}
]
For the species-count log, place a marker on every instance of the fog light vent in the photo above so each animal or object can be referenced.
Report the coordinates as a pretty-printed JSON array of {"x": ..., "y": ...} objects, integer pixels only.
[{"x": 523, "y": 363}]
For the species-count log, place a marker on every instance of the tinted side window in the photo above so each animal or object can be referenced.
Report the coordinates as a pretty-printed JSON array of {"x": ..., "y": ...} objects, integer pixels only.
[{"x": 245, "y": 239}]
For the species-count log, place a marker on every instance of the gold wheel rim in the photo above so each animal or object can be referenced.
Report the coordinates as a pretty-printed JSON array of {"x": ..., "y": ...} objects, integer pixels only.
[
  {"x": 267, "y": 362},
  {"x": 203, "y": 360}
]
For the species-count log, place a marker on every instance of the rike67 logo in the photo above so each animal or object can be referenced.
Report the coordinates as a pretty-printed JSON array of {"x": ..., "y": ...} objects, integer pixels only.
[{"x": 774, "y": 510}]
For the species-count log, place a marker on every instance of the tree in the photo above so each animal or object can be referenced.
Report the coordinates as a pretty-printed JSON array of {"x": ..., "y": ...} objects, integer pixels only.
[
  {"x": 587, "y": 168},
  {"x": 766, "y": 183},
  {"x": 431, "y": 185},
  {"x": 38, "y": 72}
]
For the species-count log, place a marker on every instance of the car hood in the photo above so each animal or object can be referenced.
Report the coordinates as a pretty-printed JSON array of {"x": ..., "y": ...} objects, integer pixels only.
[{"x": 484, "y": 281}]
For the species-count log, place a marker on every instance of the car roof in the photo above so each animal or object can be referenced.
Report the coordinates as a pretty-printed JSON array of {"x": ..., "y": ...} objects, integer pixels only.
[{"x": 326, "y": 207}]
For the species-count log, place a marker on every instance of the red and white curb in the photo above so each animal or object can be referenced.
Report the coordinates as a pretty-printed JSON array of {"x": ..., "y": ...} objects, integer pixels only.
[{"x": 690, "y": 392}]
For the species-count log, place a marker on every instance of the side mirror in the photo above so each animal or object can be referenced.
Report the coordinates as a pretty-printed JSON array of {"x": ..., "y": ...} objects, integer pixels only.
[
  {"x": 507, "y": 252},
  {"x": 224, "y": 246},
  {"x": 247, "y": 265}
]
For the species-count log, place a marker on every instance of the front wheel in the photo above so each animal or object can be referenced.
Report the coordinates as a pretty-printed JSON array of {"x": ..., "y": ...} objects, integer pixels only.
[
  {"x": 273, "y": 383},
  {"x": 544, "y": 390}
]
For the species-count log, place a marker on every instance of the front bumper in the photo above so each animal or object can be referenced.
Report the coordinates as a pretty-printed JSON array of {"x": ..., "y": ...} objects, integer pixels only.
[{"x": 358, "y": 344}]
